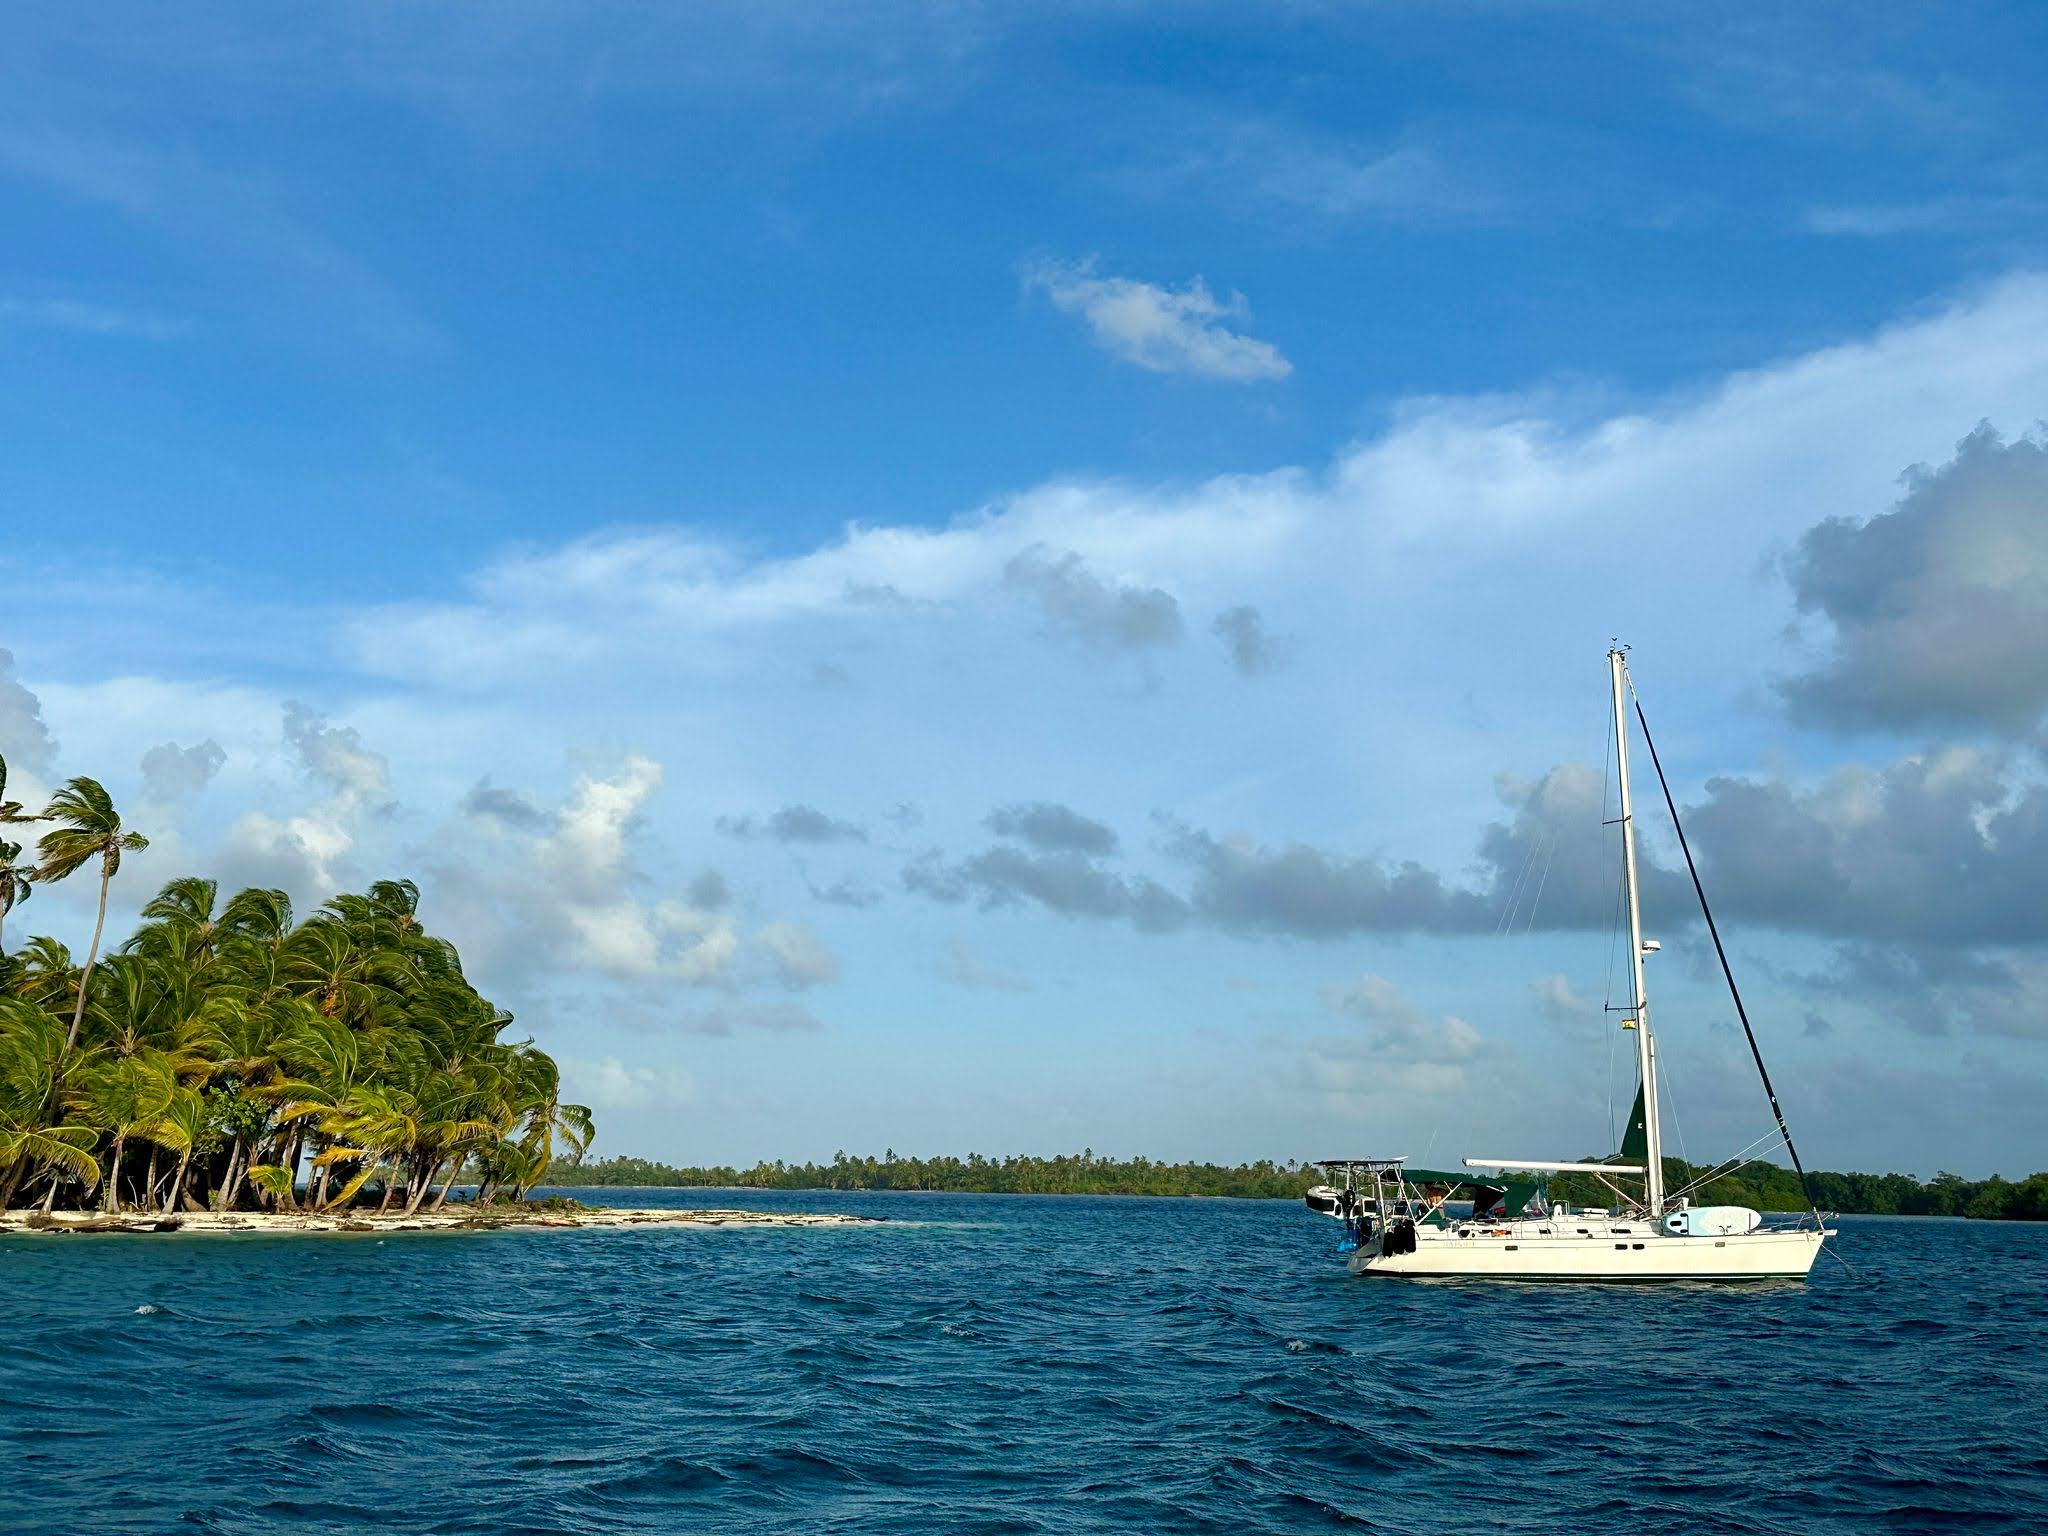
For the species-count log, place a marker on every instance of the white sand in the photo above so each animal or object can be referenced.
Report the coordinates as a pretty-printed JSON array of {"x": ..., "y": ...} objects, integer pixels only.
[{"x": 463, "y": 1218}]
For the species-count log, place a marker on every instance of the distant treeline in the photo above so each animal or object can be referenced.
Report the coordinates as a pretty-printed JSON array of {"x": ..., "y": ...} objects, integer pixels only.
[
  {"x": 1765, "y": 1186},
  {"x": 1085, "y": 1174}
]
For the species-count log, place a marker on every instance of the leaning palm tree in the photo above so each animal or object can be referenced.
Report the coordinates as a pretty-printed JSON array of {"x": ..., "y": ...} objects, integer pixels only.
[
  {"x": 92, "y": 829},
  {"x": 127, "y": 1097},
  {"x": 15, "y": 878},
  {"x": 17, "y": 883},
  {"x": 35, "y": 1134}
]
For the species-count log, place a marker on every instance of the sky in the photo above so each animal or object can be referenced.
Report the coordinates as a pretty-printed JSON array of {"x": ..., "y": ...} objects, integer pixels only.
[{"x": 1005, "y": 579}]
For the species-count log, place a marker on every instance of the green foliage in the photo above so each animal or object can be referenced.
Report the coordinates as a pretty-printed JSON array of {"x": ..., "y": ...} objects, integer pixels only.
[
  {"x": 246, "y": 1046},
  {"x": 1086, "y": 1174}
]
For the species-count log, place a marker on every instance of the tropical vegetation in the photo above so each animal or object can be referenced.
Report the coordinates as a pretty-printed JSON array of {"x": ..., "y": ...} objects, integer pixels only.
[
  {"x": 230, "y": 1055},
  {"x": 1085, "y": 1174}
]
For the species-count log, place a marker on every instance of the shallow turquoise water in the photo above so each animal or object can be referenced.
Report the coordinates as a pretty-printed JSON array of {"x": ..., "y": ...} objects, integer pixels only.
[{"x": 1005, "y": 1364}]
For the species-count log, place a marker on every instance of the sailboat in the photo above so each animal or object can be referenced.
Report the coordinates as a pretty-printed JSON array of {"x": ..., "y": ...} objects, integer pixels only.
[{"x": 1397, "y": 1219}]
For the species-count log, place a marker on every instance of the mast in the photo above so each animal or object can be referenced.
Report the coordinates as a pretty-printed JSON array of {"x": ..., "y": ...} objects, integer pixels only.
[{"x": 1646, "y": 1046}]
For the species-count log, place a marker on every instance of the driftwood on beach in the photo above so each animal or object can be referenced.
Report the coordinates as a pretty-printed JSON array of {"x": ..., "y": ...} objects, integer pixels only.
[{"x": 447, "y": 1219}]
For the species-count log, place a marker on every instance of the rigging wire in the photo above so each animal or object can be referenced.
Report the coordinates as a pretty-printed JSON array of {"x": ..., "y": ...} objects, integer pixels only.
[
  {"x": 1721, "y": 953},
  {"x": 1550, "y": 852}
]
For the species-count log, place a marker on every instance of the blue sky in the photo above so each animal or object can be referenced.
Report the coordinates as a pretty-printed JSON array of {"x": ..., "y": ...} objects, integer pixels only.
[{"x": 974, "y": 580}]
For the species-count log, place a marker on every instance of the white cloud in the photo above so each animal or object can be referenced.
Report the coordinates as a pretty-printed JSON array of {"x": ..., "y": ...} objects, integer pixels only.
[
  {"x": 171, "y": 772},
  {"x": 961, "y": 966},
  {"x": 798, "y": 956},
  {"x": 25, "y": 741},
  {"x": 1455, "y": 489},
  {"x": 608, "y": 1083},
  {"x": 90, "y": 319},
  {"x": 1166, "y": 330},
  {"x": 1405, "y": 1048}
]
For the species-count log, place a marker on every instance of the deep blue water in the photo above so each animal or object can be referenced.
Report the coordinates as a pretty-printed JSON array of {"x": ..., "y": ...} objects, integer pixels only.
[{"x": 1003, "y": 1364}]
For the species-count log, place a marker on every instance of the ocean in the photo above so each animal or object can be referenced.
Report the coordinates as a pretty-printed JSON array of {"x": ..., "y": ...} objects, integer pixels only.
[{"x": 1005, "y": 1364}]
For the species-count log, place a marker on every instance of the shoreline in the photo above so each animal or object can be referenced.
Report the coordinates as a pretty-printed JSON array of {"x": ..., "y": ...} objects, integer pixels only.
[{"x": 82, "y": 1223}]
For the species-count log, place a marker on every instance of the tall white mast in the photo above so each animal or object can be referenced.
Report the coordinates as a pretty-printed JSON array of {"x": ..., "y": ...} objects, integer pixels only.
[{"x": 1646, "y": 1045}]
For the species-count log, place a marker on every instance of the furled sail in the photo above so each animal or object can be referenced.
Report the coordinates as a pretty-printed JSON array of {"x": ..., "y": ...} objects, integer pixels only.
[{"x": 1635, "y": 1139}]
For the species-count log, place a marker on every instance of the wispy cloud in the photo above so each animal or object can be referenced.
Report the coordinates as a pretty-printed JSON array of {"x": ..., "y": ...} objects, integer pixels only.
[
  {"x": 90, "y": 319},
  {"x": 1930, "y": 216},
  {"x": 1167, "y": 330}
]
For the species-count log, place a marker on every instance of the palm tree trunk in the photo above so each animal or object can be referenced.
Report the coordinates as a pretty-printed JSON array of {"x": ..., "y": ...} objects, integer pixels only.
[
  {"x": 231, "y": 1180},
  {"x": 14, "y": 1178},
  {"x": 110, "y": 1195},
  {"x": 453, "y": 1174},
  {"x": 177, "y": 1183},
  {"x": 91, "y": 955},
  {"x": 149, "y": 1179},
  {"x": 390, "y": 1188}
]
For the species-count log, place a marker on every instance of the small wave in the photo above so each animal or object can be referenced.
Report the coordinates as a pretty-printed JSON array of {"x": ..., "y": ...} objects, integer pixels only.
[
  {"x": 673, "y": 1474},
  {"x": 148, "y": 1309}
]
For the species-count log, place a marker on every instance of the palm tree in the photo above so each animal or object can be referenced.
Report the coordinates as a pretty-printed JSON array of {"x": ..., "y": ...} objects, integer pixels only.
[
  {"x": 17, "y": 883},
  {"x": 15, "y": 879},
  {"x": 32, "y": 1076},
  {"x": 128, "y": 1096},
  {"x": 180, "y": 922},
  {"x": 237, "y": 1042},
  {"x": 92, "y": 828}
]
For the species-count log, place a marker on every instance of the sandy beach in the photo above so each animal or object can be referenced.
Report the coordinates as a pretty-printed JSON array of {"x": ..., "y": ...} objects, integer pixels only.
[{"x": 451, "y": 1219}]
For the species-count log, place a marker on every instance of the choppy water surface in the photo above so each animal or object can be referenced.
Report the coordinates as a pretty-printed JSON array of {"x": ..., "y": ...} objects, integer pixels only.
[{"x": 1005, "y": 1365}]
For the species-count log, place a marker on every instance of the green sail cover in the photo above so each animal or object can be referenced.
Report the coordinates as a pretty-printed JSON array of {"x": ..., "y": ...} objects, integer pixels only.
[{"x": 1635, "y": 1140}]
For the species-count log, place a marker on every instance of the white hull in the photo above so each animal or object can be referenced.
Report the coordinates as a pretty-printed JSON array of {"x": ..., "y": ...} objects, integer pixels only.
[{"x": 1640, "y": 1254}]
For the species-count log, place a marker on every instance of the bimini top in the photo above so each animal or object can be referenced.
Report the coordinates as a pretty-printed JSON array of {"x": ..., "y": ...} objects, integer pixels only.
[{"x": 1358, "y": 1162}]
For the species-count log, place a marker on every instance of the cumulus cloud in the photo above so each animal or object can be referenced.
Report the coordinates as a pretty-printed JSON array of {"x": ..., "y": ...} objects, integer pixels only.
[
  {"x": 308, "y": 853},
  {"x": 608, "y": 1083},
  {"x": 1053, "y": 828},
  {"x": 1166, "y": 330},
  {"x": 1479, "y": 491},
  {"x": 847, "y": 891},
  {"x": 171, "y": 772},
  {"x": 961, "y": 966},
  {"x": 25, "y": 741},
  {"x": 1404, "y": 1047},
  {"x": 1070, "y": 884},
  {"x": 793, "y": 824},
  {"x": 335, "y": 755},
  {"x": 1938, "y": 609},
  {"x": 798, "y": 956},
  {"x": 1546, "y": 865},
  {"x": 1934, "y": 991},
  {"x": 565, "y": 890},
  {"x": 1254, "y": 650},
  {"x": 1305, "y": 892},
  {"x": 1947, "y": 848},
  {"x": 506, "y": 805},
  {"x": 1079, "y": 603}
]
